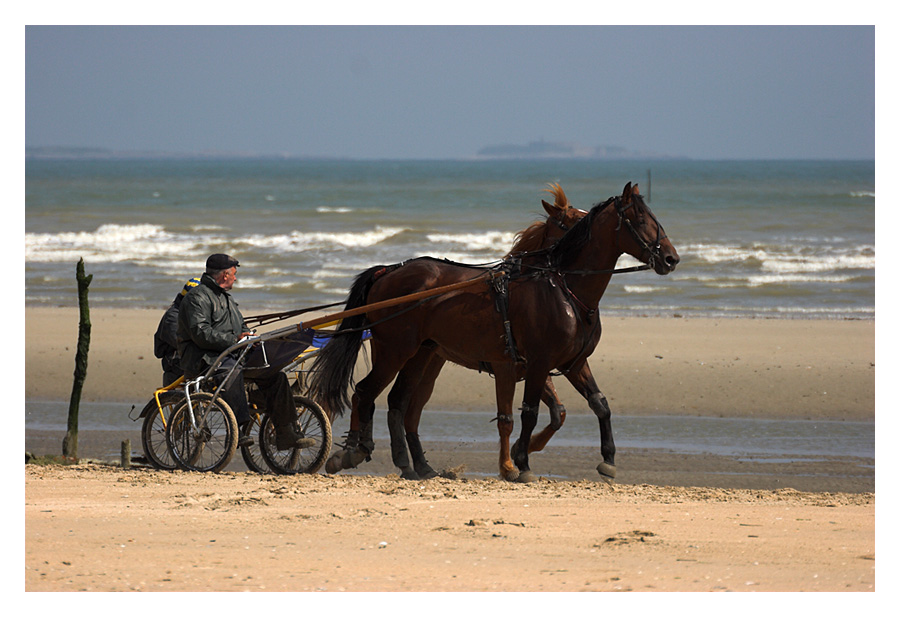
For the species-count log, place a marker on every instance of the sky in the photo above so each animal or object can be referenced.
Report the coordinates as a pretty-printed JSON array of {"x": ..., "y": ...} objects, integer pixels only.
[{"x": 444, "y": 92}]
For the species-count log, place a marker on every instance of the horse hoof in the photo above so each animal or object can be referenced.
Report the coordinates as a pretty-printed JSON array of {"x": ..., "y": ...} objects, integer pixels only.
[
  {"x": 510, "y": 475},
  {"x": 333, "y": 464},
  {"x": 526, "y": 477},
  {"x": 607, "y": 471},
  {"x": 427, "y": 473},
  {"x": 407, "y": 473}
]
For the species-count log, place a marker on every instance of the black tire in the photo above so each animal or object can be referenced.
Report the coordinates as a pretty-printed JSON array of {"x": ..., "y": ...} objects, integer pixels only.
[
  {"x": 315, "y": 425},
  {"x": 211, "y": 445},
  {"x": 252, "y": 453},
  {"x": 153, "y": 431}
]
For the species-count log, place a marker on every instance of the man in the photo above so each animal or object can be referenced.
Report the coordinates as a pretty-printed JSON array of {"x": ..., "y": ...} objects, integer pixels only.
[
  {"x": 165, "y": 341},
  {"x": 209, "y": 322}
]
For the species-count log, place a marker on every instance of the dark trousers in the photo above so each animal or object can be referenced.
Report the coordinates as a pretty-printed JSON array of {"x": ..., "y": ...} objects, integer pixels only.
[
  {"x": 275, "y": 388},
  {"x": 169, "y": 377}
]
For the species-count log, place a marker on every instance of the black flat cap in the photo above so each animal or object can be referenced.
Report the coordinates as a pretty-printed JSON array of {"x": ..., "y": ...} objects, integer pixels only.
[{"x": 220, "y": 261}]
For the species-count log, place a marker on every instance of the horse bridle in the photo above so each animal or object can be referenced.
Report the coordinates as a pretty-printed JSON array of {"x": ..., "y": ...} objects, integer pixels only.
[{"x": 652, "y": 251}]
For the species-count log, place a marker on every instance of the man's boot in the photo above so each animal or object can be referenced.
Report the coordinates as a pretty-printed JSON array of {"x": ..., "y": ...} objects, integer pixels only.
[{"x": 289, "y": 437}]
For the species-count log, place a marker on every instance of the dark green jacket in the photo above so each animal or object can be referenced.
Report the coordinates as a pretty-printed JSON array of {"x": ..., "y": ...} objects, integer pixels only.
[{"x": 209, "y": 322}]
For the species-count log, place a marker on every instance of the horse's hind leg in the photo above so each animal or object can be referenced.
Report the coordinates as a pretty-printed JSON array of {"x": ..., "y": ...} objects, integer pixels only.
[
  {"x": 421, "y": 395},
  {"x": 557, "y": 418},
  {"x": 360, "y": 443},
  {"x": 402, "y": 399}
]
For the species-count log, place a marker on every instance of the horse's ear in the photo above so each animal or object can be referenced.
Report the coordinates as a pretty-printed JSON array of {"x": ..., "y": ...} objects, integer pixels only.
[
  {"x": 552, "y": 210},
  {"x": 634, "y": 190},
  {"x": 626, "y": 193}
]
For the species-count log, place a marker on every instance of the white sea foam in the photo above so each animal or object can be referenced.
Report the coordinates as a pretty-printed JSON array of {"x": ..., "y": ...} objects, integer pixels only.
[
  {"x": 333, "y": 209},
  {"x": 206, "y": 228},
  {"x": 323, "y": 287},
  {"x": 785, "y": 279},
  {"x": 302, "y": 241},
  {"x": 264, "y": 283},
  {"x": 719, "y": 253},
  {"x": 784, "y": 259},
  {"x": 817, "y": 263},
  {"x": 485, "y": 241},
  {"x": 109, "y": 243}
]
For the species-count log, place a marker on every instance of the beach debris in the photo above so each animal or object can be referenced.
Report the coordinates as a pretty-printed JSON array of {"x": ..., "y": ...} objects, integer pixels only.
[{"x": 454, "y": 473}]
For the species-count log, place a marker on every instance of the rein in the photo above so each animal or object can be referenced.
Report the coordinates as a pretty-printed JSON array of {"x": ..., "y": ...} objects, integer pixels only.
[{"x": 261, "y": 320}]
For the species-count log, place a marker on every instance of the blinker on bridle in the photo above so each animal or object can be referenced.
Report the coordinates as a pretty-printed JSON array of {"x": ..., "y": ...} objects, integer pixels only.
[{"x": 652, "y": 251}]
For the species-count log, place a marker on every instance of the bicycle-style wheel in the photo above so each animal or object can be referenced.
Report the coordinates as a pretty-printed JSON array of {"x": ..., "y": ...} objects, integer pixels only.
[
  {"x": 153, "y": 431},
  {"x": 251, "y": 453},
  {"x": 314, "y": 424},
  {"x": 204, "y": 437}
]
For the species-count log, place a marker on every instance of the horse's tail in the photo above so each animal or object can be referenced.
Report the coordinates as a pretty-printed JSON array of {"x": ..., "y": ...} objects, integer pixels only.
[{"x": 331, "y": 375}]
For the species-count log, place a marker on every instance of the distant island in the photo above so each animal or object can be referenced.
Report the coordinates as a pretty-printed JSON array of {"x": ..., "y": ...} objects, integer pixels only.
[
  {"x": 536, "y": 150},
  {"x": 565, "y": 150}
]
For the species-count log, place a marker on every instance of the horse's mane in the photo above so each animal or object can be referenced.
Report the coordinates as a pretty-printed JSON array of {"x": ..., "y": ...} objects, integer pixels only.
[
  {"x": 532, "y": 237},
  {"x": 570, "y": 245}
]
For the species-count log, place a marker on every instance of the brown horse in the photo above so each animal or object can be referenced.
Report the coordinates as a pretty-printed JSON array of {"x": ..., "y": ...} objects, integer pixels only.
[
  {"x": 427, "y": 364},
  {"x": 532, "y": 317}
]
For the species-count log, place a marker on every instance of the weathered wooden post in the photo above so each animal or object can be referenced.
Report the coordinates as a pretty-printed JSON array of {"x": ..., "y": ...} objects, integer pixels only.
[
  {"x": 126, "y": 454},
  {"x": 70, "y": 442}
]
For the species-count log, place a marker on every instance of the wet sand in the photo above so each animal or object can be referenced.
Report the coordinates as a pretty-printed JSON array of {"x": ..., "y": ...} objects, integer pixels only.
[{"x": 813, "y": 369}]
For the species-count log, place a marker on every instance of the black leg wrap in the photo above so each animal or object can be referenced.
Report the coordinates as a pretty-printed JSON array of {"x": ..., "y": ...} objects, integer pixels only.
[
  {"x": 366, "y": 441},
  {"x": 530, "y": 414},
  {"x": 418, "y": 456},
  {"x": 519, "y": 452},
  {"x": 398, "y": 442},
  {"x": 599, "y": 406},
  {"x": 352, "y": 454},
  {"x": 556, "y": 414}
]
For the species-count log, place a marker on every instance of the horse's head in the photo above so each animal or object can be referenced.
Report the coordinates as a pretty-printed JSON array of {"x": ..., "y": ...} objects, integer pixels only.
[{"x": 641, "y": 235}]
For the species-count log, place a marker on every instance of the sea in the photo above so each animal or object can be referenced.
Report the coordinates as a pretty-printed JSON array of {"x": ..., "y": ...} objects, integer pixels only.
[{"x": 763, "y": 239}]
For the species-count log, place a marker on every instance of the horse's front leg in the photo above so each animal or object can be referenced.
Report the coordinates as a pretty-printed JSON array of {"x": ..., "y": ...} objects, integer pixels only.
[
  {"x": 583, "y": 380},
  {"x": 535, "y": 382},
  {"x": 505, "y": 388}
]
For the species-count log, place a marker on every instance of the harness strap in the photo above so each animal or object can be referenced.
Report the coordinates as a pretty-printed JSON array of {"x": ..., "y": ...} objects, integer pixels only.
[
  {"x": 500, "y": 287},
  {"x": 573, "y": 299}
]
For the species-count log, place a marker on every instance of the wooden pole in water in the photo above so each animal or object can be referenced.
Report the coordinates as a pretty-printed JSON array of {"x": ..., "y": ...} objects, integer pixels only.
[
  {"x": 126, "y": 454},
  {"x": 70, "y": 441},
  {"x": 648, "y": 185}
]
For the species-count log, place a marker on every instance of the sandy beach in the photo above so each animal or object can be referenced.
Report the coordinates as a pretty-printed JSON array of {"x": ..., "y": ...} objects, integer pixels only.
[{"x": 668, "y": 524}]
